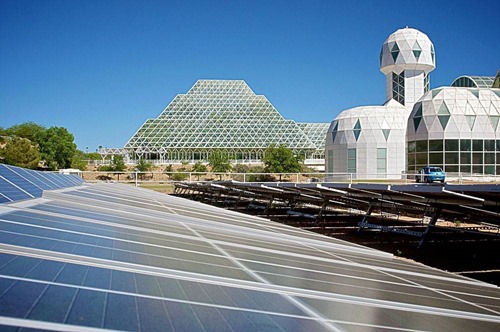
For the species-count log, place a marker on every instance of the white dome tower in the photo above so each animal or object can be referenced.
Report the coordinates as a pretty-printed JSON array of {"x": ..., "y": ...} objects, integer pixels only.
[{"x": 407, "y": 57}]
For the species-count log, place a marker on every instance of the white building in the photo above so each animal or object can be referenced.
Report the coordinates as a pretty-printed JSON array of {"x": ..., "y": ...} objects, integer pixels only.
[
  {"x": 369, "y": 141},
  {"x": 454, "y": 127}
]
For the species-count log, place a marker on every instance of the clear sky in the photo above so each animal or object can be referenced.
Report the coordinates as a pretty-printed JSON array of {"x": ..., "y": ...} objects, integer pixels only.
[{"x": 101, "y": 68}]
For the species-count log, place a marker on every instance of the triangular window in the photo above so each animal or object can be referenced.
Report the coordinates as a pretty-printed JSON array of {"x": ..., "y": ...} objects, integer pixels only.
[
  {"x": 386, "y": 133},
  {"x": 435, "y": 92},
  {"x": 443, "y": 109},
  {"x": 494, "y": 121},
  {"x": 443, "y": 119},
  {"x": 471, "y": 119},
  {"x": 395, "y": 51},
  {"x": 417, "y": 50}
]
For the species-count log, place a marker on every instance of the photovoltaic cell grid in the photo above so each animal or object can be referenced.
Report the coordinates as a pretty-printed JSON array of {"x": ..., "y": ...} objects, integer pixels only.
[
  {"x": 111, "y": 256},
  {"x": 19, "y": 184}
]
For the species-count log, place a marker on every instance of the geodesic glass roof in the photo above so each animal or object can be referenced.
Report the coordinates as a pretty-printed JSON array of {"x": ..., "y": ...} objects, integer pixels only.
[
  {"x": 481, "y": 82},
  {"x": 223, "y": 114}
]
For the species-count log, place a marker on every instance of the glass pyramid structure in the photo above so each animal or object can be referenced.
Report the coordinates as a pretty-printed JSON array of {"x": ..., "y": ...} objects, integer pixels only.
[{"x": 223, "y": 114}]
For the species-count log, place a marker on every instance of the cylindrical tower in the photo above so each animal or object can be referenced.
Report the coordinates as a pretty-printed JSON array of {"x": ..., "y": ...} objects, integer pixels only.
[{"x": 407, "y": 57}]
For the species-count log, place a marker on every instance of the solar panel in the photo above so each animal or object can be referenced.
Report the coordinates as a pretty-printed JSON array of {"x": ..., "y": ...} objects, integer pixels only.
[
  {"x": 112, "y": 256},
  {"x": 12, "y": 192},
  {"x": 37, "y": 178},
  {"x": 10, "y": 174},
  {"x": 19, "y": 184}
]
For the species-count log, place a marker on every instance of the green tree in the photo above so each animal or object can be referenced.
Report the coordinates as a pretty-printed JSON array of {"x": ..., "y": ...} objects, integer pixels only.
[
  {"x": 218, "y": 161},
  {"x": 200, "y": 168},
  {"x": 20, "y": 152},
  {"x": 280, "y": 159},
  {"x": 143, "y": 166},
  {"x": 56, "y": 147},
  {"x": 118, "y": 163},
  {"x": 79, "y": 161},
  {"x": 28, "y": 130},
  {"x": 181, "y": 173}
]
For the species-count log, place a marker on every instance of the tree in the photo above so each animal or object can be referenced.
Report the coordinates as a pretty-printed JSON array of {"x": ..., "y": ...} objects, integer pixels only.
[
  {"x": 280, "y": 159},
  {"x": 181, "y": 173},
  {"x": 20, "y": 152},
  {"x": 78, "y": 161},
  {"x": 56, "y": 147},
  {"x": 28, "y": 130},
  {"x": 118, "y": 163},
  {"x": 218, "y": 161},
  {"x": 200, "y": 168},
  {"x": 143, "y": 166}
]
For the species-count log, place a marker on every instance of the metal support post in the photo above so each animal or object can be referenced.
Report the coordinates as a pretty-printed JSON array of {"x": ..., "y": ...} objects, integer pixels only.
[{"x": 431, "y": 224}]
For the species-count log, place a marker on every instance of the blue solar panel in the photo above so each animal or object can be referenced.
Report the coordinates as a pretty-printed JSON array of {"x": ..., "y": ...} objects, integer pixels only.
[
  {"x": 12, "y": 192},
  {"x": 37, "y": 178},
  {"x": 12, "y": 176},
  {"x": 18, "y": 183},
  {"x": 3, "y": 199}
]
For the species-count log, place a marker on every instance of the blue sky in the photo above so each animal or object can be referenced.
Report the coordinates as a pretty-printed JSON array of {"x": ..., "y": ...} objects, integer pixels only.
[{"x": 101, "y": 68}]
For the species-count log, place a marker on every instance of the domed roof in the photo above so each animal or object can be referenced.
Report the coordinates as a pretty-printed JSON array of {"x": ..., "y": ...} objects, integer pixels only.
[
  {"x": 374, "y": 123},
  {"x": 455, "y": 112},
  {"x": 407, "y": 49}
]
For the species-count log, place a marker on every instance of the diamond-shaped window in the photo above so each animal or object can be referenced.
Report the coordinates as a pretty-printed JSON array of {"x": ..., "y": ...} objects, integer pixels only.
[
  {"x": 395, "y": 51},
  {"x": 432, "y": 54},
  {"x": 357, "y": 129}
]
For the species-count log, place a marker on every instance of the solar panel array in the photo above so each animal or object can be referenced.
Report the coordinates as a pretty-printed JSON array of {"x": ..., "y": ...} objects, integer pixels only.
[
  {"x": 19, "y": 183},
  {"x": 112, "y": 256}
]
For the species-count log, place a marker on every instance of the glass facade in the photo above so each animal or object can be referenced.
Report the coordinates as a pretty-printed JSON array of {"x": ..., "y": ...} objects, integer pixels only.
[
  {"x": 482, "y": 82},
  {"x": 398, "y": 87},
  {"x": 466, "y": 156},
  {"x": 227, "y": 115}
]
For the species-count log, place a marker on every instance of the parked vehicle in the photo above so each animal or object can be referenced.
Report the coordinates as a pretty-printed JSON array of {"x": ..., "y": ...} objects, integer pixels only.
[{"x": 430, "y": 174}]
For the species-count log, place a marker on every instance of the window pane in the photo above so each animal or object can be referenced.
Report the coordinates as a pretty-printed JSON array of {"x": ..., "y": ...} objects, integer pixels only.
[
  {"x": 489, "y": 169},
  {"x": 477, "y": 158},
  {"x": 451, "y": 169},
  {"x": 435, "y": 158},
  {"x": 435, "y": 145},
  {"x": 465, "y": 158},
  {"x": 477, "y": 145},
  {"x": 489, "y": 145},
  {"x": 489, "y": 158},
  {"x": 451, "y": 144},
  {"x": 351, "y": 153},
  {"x": 477, "y": 169},
  {"x": 381, "y": 153},
  {"x": 421, "y": 146},
  {"x": 422, "y": 159},
  {"x": 465, "y": 168},
  {"x": 465, "y": 145},
  {"x": 451, "y": 158},
  {"x": 411, "y": 159},
  {"x": 411, "y": 146}
]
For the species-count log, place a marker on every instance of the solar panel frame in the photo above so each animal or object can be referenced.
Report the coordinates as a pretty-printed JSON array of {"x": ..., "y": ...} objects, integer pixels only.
[{"x": 170, "y": 262}]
